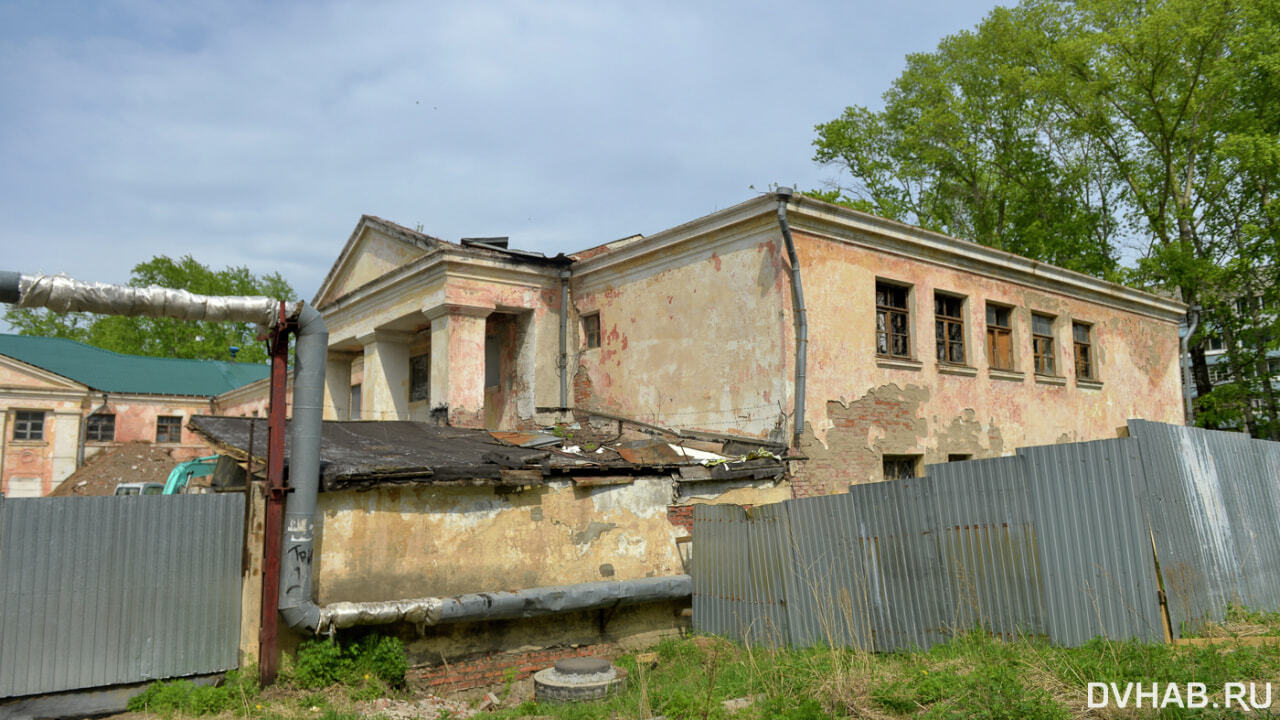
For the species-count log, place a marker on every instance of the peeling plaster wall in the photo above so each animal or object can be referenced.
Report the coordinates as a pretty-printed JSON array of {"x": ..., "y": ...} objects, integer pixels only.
[
  {"x": 694, "y": 339},
  {"x": 700, "y": 335},
  {"x": 414, "y": 541}
]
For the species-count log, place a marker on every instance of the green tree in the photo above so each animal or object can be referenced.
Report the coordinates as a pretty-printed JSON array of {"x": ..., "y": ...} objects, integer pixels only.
[
  {"x": 1060, "y": 128},
  {"x": 166, "y": 337}
]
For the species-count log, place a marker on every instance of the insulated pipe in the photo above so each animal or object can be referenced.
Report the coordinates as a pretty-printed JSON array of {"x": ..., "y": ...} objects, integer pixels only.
[
  {"x": 62, "y": 294},
  {"x": 10, "y": 286},
  {"x": 1193, "y": 314},
  {"x": 528, "y": 603},
  {"x": 564, "y": 339},
  {"x": 802, "y": 323},
  {"x": 309, "y": 355}
]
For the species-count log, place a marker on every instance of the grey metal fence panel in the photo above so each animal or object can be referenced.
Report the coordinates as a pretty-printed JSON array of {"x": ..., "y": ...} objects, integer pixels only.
[
  {"x": 1190, "y": 521},
  {"x": 1214, "y": 507},
  {"x": 109, "y": 590},
  {"x": 989, "y": 545},
  {"x": 1096, "y": 563},
  {"x": 831, "y": 603}
]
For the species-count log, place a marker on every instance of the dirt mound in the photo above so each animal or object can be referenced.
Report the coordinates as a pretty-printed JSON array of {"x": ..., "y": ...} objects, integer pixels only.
[{"x": 131, "y": 462}]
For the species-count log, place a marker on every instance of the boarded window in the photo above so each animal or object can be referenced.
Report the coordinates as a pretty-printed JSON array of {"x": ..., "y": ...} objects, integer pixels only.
[
  {"x": 100, "y": 428},
  {"x": 419, "y": 377},
  {"x": 948, "y": 311},
  {"x": 357, "y": 401},
  {"x": 591, "y": 330},
  {"x": 900, "y": 467},
  {"x": 893, "y": 320},
  {"x": 28, "y": 425},
  {"x": 1080, "y": 336},
  {"x": 999, "y": 337},
  {"x": 168, "y": 429},
  {"x": 1042, "y": 344}
]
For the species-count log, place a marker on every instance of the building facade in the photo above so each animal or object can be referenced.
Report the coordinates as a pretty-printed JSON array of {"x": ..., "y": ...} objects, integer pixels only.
[
  {"x": 921, "y": 348},
  {"x": 62, "y": 402}
]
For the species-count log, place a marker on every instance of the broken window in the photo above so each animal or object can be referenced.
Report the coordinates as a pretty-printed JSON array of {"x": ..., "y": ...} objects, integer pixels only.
[
  {"x": 1042, "y": 343},
  {"x": 591, "y": 329},
  {"x": 28, "y": 425},
  {"x": 100, "y": 428},
  {"x": 948, "y": 311},
  {"x": 419, "y": 377},
  {"x": 900, "y": 467},
  {"x": 1080, "y": 333},
  {"x": 893, "y": 338},
  {"x": 999, "y": 337},
  {"x": 959, "y": 457},
  {"x": 168, "y": 429},
  {"x": 357, "y": 401}
]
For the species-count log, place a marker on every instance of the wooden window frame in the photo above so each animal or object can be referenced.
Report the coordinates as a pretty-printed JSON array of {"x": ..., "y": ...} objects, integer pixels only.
[
  {"x": 591, "y": 330},
  {"x": 100, "y": 427},
  {"x": 163, "y": 429},
  {"x": 30, "y": 429},
  {"x": 995, "y": 331},
  {"x": 885, "y": 314},
  {"x": 1084, "y": 350},
  {"x": 1042, "y": 349},
  {"x": 944, "y": 325}
]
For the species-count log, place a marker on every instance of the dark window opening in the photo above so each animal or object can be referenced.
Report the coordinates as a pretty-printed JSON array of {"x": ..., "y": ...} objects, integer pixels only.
[
  {"x": 900, "y": 467},
  {"x": 959, "y": 457},
  {"x": 492, "y": 360},
  {"x": 999, "y": 337},
  {"x": 100, "y": 428},
  {"x": 357, "y": 400},
  {"x": 893, "y": 321},
  {"x": 419, "y": 377},
  {"x": 28, "y": 425},
  {"x": 168, "y": 429},
  {"x": 1042, "y": 343},
  {"x": 948, "y": 325},
  {"x": 591, "y": 330},
  {"x": 1084, "y": 350}
]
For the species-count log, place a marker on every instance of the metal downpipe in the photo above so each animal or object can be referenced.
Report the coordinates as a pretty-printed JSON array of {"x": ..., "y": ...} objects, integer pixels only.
[
  {"x": 564, "y": 339},
  {"x": 1184, "y": 358},
  {"x": 784, "y": 195},
  {"x": 297, "y": 609}
]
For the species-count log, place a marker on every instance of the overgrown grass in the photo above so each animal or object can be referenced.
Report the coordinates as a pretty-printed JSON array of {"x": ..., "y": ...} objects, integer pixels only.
[{"x": 973, "y": 676}]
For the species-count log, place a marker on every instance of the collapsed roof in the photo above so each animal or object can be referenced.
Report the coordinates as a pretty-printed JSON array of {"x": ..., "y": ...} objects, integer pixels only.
[{"x": 361, "y": 454}]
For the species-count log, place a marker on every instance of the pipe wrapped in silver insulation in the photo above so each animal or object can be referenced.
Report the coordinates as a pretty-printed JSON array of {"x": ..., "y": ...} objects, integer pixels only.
[{"x": 64, "y": 294}]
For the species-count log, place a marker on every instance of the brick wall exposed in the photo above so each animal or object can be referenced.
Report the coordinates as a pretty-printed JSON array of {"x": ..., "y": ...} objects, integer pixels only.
[{"x": 498, "y": 668}]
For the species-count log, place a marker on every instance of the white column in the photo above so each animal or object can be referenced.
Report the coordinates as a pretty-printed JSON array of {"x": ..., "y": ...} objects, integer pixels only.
[
  {"x": 66, "y": 441},
  {"x": 337, "y": 386},
  {"x": 386, "y": 375}
]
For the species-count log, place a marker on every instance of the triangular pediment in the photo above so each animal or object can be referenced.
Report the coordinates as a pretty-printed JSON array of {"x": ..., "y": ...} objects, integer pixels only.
[
  {"x": 17, "y": 375},
  {"x": 375, "y": 248}
]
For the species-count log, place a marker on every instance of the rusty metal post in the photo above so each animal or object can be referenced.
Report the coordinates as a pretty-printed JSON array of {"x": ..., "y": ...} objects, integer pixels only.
[{"x": 273, "y": 523}]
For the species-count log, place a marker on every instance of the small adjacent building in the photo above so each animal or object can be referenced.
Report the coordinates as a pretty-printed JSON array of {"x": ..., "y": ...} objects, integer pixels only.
[
  {"x": 921, "y": 348},
  {"x": 62, "y": 402}
]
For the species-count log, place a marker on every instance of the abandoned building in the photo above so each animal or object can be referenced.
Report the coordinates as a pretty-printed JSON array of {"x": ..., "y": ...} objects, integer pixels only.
[
  {"x": 918, "y": 348},
  {"x": 62, "y": 402}
]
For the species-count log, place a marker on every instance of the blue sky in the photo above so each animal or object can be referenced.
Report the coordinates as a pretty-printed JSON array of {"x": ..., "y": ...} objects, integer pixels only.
[{"x": 257, "y": 133}]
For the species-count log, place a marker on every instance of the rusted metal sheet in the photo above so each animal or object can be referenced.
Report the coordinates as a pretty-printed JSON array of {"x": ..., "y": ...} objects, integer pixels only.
[
  {"x": 99, "y": 591},
  {"x": 649, "y": 452}
]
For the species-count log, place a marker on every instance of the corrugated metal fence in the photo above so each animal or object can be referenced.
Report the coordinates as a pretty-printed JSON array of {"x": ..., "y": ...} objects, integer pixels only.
[
  {"x": 100, "y": 591},
  {"x": 1055, "y": 541}
]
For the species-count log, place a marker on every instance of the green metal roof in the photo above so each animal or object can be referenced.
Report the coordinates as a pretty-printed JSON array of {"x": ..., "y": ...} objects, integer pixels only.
[{"x": 108, "y": 371}]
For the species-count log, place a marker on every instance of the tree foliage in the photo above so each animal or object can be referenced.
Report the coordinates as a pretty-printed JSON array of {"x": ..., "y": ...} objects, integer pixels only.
[
  {"x": 165, "y": 337},
  {"x": 1064, "y": 130}
]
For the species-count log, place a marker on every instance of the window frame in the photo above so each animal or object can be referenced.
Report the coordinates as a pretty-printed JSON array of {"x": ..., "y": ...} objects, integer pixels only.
[
  {"x": 994, "y": 330},
  {"x": 591, "y": 330},
  {"x": 885, "y": 329},
  {"x": 948, "y": 322},
  {"x": 1036, "y": 352},
  {"x": 165, "y": 421},
  {"x": 886, "y": 459},
  {"x": 1091, "y": 360},
  {"x": 93, "y": 430},
  {"x": 30, "y": 433}
]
